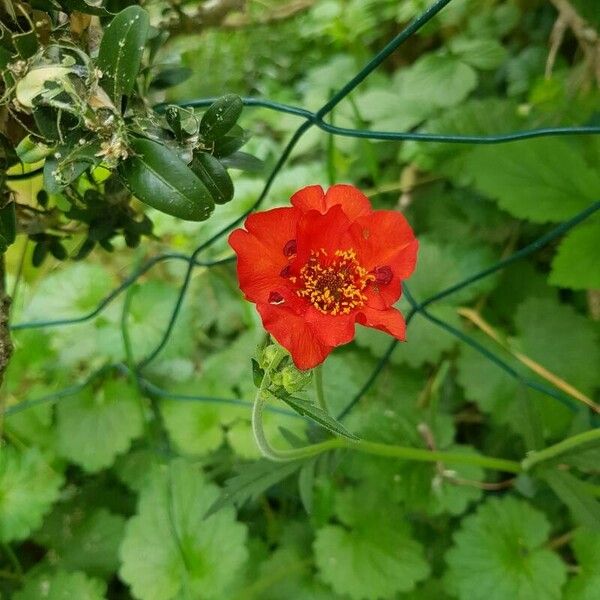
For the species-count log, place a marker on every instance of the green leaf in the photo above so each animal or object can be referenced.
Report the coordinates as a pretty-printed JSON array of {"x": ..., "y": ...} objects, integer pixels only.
[
  {"x": 62, "y": 586},
  {"x": 68, "y": 163},
  {"x": 28, "y": 488},
  {"x": 308, "y": 409},
  {"x": 157, "y": 176},
  {"x": 194, "y": 427},
  {"x": 441, "y": 80},
  {"x": 543, "y": 180},
  {"x": 560, "y": 339},
  {"x": 170, "y": 550},
  {"x": 8, "y": 223},
  {"x": 221, "y": 117},
  {"x": 96, "y": 425},
  {"x": 170, "y": 76},
  {"x": 422, "y": 488},
  {"x": 121, "y": 49},
  {"x": 479, "y": 53},
  {"x": 577, "y": 261},
  {"x": 583, "y": 506},
  {"x": 585, "y": 585},
  {"x": 498, "y": 552},
  {"x": 30, "y": 151},
  {"x": 368, "y": 558},
  {"x": 83, "y": 539},
  {"x": 214, "y": 176},
  {"x": 252, "y": 481}
]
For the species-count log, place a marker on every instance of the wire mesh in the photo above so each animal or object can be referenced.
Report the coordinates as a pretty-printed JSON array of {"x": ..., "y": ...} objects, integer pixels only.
[{"x": 418, "y": 307}]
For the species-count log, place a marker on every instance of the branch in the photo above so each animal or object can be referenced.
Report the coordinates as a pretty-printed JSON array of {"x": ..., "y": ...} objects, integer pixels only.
[
  {"x": 586, "y": 35},
  {"x": 231, "y": 14}
]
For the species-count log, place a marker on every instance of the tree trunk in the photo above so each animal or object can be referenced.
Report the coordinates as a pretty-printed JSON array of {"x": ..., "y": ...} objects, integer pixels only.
[{"x": 6, "y": 346}]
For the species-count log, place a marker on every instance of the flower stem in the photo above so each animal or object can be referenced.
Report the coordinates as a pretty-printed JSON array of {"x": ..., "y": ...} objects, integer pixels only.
[
  {"x": 551, "y": 452},
  {"x": 318, "y": 374},
  {"x": 374, "y": 448}
]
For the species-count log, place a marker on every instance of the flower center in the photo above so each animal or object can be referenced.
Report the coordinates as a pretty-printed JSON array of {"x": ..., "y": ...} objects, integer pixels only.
[{"x": 334, "y": 286}]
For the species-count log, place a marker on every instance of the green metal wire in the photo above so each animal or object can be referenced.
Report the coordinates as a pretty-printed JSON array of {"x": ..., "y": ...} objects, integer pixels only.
[{"x": 418, "y": 307}]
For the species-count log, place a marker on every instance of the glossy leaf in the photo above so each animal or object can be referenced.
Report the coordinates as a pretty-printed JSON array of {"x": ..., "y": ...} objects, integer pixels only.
[
  {"x": 157, "y": 176},
  {"x": 121, "y": 50},
  {"x": 214, "y": 176},
  {"x": 221, "y": 117}
]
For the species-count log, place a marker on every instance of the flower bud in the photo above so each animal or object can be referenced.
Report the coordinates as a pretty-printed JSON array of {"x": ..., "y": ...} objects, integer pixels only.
[{"x": 294, "y": 380}]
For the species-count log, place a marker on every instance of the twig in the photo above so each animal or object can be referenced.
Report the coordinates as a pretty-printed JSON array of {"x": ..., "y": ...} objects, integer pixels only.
[{"x": 586, "y": 35}]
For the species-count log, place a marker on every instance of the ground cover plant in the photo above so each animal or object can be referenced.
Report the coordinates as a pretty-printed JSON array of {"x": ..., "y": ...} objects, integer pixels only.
[{"x": 157, "y": 444}]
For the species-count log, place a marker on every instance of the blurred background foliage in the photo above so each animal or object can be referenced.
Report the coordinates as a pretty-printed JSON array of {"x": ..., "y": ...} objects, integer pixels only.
[{"x": 103, "y": 491}]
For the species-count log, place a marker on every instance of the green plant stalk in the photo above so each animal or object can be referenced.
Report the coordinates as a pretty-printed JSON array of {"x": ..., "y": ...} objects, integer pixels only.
[
  {"x": 534, "y": 458},
  {"x": 374, "y": 448},
  {"x": 318, "y": 375}
]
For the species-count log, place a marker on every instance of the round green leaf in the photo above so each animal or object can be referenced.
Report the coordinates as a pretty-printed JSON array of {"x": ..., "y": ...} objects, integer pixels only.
[
  {"x": 62, "y": 586},
  {"x": 499, "y": 553},
  {"x": 170, "y": 550},
  {"x": 28, "y": 487},
  {"x": 157, "y": 176}
]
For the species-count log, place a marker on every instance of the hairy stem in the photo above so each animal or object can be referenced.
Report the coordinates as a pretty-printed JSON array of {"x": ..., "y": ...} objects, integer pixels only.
[
  {"x": 374, "y": 448},
  {"x": 534, "y": 458}
]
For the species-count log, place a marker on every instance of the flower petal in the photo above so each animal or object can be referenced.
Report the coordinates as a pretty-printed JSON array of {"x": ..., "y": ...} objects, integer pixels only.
[
  {"x": 331, "y": 330},
  {"x": 274, "y": 227},
  {"x": 260, "y": 257},
  {"x": 317, "y": 231},
  {"x": 390, "y": 320},
  {"x": 258, "y": 270},
  {"x": 353, "y": 202},
  {"x": 385, "y": 238},
  {"x": 294, "y": 334}
]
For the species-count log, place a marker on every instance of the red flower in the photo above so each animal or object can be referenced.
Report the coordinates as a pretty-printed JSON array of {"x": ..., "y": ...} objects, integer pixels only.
[{"x": 318, "y": 267}]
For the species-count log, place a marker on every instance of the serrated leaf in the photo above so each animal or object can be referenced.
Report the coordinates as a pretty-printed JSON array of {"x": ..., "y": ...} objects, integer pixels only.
[
  {"x": 83, "y": 539},
  {"x": 577, "y": 261},
  {"x": 441, "y": 80},
  {"x": 194, "y": 427},
  {"x": 221, "y": 117},
  {"x": 560, "y": 339},
  {"x": 28, "y": 488},
  {"x": 479, "y": 53},
  {"x": 543, "y": 180},
  {"x": 585, "y": 585},
  {"x": 121, "y": 49},
  {"x": 214, "y": 176},
  {"x": 368, "y": 559},
  {"x": 583, "y": 506},
  {"x": 96, "y": 425},
  {"x": 308, "y": 409},
  {"x": 252, "y": 481},
  {"x": 62, "y": 586},
  {"x": 157, "y": 176},
  {"x": 170, "y": 549},
  {"x": 500, "y": 549}
]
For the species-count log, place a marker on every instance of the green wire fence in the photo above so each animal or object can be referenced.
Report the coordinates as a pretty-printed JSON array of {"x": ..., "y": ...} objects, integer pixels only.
[{"x": 418, "y": 307}]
